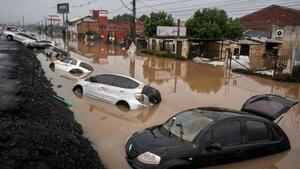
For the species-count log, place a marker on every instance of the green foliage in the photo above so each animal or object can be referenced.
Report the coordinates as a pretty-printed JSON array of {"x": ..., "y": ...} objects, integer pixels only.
[
  {"x": 123, "y": 17},
  {"x": 144, "y": 18},
  {"x": 165, "y": 54},
  {"x": 155, "y": 19},
  {"x": 213, "y": 23}
]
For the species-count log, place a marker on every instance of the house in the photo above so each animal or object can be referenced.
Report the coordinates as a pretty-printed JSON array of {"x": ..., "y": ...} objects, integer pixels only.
[
  {"x": 266, "y": 18},
  {"x": 170, "y": 44},
  {"x": 278, "y": 23},
  {"x": 79, "y": 27}
]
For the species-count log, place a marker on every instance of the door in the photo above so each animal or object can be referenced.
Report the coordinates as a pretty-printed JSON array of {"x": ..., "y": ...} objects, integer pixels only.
[
  {"x": 100, "y": 86},
  {"x": 259, "y": 141},
  {"x": 19, "y": 37},
  {"x": 228, "y": 135},
  {"x": 63, "y": 64},
  {"x": 123, "y": 87},
  {"x": 179, "y": 49},
  {"x": 269, "y": 106}
]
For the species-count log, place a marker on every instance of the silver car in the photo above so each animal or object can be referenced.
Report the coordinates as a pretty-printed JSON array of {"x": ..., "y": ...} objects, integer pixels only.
[{"x": 119, "y": 89}]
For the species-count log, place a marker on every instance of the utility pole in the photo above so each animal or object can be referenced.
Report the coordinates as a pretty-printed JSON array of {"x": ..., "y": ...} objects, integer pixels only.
[
  {"x": 133, "y": 26},
  {"x": 23, "y": 23}
]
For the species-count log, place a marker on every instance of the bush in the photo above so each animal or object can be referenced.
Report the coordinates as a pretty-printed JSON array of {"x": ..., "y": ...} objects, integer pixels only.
[{"x": 166, "y": 54}]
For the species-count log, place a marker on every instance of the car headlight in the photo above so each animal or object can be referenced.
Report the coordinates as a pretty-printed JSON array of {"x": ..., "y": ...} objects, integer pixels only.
[{"x": 149, "y": 158}]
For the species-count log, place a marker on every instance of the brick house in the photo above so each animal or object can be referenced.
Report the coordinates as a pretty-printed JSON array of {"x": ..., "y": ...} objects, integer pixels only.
[
  {"x": 279, "y": 23},
  {"x": 79, "y": 27},
  {"x": 265, "y": 18}
]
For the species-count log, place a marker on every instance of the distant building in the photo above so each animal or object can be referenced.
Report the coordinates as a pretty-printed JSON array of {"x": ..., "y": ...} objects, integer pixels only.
[
  {"x": 78, "y": 27},
  {"x": 276, "y": 23},
  {"x": 107, "y": 30}
]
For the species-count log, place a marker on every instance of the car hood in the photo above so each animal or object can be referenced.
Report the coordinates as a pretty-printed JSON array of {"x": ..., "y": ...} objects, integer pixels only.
[{"x": 158, "y": 141}]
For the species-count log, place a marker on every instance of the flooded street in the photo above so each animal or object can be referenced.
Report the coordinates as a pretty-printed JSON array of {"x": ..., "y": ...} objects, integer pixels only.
[{"x": 183, "y": 85}]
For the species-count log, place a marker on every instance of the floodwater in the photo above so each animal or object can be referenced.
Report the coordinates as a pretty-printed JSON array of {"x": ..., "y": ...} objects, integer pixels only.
[{"x": 183, "y": 85}]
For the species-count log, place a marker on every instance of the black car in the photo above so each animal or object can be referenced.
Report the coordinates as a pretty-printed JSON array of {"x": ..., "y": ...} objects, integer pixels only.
[
  {"x": 208, "y": 136},
  {"x": 42, "y": 44}
]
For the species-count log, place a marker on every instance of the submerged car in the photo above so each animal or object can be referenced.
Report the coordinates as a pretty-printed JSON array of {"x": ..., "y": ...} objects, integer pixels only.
[
  {"x": 119, "y": 89},
  {"x": 207, "y": 136},
  {"x": 42, "y": 44},
  {"x": 71, "y": 65},
  {"x": 56, "y": 52}
]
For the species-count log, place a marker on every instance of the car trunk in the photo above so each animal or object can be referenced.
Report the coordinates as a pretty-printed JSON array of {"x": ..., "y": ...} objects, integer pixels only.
[
  {"x": 268, "y": 106},
  {"x": 152, "y": 93}
]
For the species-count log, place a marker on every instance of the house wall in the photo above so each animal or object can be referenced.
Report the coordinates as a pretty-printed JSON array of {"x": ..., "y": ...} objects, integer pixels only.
[{"x": 256, "y": 56}]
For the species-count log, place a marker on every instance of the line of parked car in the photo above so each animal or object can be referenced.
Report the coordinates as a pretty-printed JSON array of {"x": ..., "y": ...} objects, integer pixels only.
[{"x": 193, "y": 138}]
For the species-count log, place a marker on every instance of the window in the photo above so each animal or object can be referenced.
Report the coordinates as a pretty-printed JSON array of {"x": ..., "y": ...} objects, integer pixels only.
[
  {"x": 66, "y": 60},
  {"x": 105, "y": 79},
  {"x": 124, "y": 82},
  {"x": 74, "y": 62},
  {"x": 257, "y": 131},
  {"x": 86, "y": 66},
  {"x": 191, "y": 124},
  {"x": 228, "y": 133}
]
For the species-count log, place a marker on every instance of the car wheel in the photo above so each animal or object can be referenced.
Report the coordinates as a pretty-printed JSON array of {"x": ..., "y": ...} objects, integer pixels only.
[{"x": 9, "y": 37}]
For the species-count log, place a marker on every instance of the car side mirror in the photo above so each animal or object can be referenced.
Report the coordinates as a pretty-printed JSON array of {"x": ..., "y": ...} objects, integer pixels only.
[{"x": 214, "y": 146}]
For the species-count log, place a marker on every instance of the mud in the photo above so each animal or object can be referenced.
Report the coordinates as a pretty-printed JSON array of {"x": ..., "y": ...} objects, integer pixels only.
[
  {"x": 183, "y": 85},
  {"x": 36, "y": 131}
]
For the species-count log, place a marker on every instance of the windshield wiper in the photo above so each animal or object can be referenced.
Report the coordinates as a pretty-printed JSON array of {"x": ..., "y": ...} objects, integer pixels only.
[
  {"x": 181, "y": 130},
  {"x": 170, "y": 125}
]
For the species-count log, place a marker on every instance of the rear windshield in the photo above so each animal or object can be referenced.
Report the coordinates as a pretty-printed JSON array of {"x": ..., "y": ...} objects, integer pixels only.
[
  {"x": 86, "y": 66},
  {"x": 191, "y": 123}
]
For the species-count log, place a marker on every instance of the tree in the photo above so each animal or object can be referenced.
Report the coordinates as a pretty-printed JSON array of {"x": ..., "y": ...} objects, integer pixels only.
[
  {"x": 213, "y": 23},
  {"x": 143, "y": 18},
  {"x": 155, "y": 19},
  {"x": 123, "y": 17}
]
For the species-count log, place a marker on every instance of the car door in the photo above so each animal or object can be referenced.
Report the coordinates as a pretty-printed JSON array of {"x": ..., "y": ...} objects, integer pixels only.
[
  {"x": 259, "y": 140},
  {"x": 122, "y": 88},
  {"x": 99, "y": 86},
  {"x": 228, "y": 137},
  {"x": 19, "y": 37},
  {"x": 268, "y": 106},
  {"x": 63, "y": 64}
]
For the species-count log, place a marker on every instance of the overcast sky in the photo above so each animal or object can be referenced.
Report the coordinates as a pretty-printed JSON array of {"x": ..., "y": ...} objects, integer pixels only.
[{"x": 11, "y": 11}]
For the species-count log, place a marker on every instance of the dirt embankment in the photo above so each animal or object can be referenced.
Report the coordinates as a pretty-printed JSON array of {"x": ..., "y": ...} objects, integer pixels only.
[{"x": 36, "y": 130}]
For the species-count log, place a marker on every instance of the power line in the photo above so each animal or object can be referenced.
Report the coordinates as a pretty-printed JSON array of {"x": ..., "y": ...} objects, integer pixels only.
[{"x": 125, "y": 6}]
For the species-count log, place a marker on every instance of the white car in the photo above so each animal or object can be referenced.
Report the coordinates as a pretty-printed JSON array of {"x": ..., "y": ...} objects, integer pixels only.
[
  {"x": 118, "y": 89},
  {"x": 42, "y": 44},
  {"x": 20, "y": 37},
  {"x": 72, "y": 65}
]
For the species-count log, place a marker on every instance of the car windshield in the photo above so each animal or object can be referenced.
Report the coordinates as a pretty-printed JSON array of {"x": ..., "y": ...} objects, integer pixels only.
[{"x": 188, "y": 124}]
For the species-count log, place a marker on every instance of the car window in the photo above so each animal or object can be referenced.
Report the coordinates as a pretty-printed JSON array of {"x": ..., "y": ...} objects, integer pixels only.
[
  {"x": 105, "y": 79},
  {"x": 86, "y": 66},
  {"x": 66, "y": 60},
  {"x": 257, "y": 131},
  {"x": 190, "y": 122},
  {"x": 73, "y": 62},
  {"x": 228, "y": 133},
  {"x": 124, "y": 82}
]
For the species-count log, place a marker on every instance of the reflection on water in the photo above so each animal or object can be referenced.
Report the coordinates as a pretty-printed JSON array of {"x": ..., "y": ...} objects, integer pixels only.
[{"x": 183, "y": 85}]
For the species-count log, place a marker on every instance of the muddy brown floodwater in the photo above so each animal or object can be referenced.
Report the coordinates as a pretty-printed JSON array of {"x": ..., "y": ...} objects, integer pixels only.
[{"x": 183, "y": 85}]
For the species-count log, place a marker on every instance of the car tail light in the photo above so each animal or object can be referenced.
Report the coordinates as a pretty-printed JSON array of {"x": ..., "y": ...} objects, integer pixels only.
[{"x": 139, "y": 97}]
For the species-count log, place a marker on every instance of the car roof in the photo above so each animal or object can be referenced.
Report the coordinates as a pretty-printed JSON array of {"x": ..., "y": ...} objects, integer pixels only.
[
  {"x": 121, "y": 76},
  {"x": 219, "y": 113}
]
